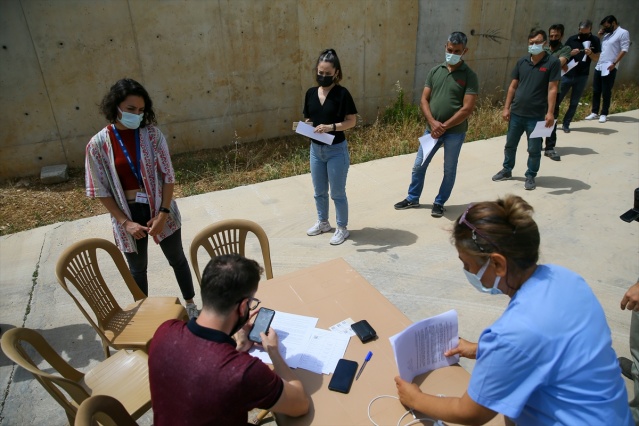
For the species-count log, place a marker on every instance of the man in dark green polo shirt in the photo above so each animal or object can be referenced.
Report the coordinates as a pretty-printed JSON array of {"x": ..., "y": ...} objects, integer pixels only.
[
  {"x": 531, "y": 98},
  {"x": 561, "y": 52},
  {"x": 448, "y": 99}
]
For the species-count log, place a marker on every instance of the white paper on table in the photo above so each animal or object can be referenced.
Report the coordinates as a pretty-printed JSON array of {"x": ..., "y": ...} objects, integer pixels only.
[
  {"x": 541, "y": 131},
  {"x": 428, "y": 143},
  {"x": 309, "y": 131},
  {"x": 570, "y": 66},
  {"x": 343, "y": 327},
  {"x": 322, "y": 351},
  {"x": 420, "y": 347},
  {"x": 292, "y": 334},
  {"x": 604, "y": 68}
]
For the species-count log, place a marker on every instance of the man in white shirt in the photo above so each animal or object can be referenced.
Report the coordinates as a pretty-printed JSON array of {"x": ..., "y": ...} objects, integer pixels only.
[{"x": 615, "y": 42}]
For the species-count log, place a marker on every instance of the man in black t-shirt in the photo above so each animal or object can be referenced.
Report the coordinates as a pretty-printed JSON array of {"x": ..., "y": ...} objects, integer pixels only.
[{"x": 576, "y": 79}]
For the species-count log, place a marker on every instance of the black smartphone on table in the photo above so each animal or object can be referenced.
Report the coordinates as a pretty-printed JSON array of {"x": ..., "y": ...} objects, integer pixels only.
[
  {"x": 343, "y": 376},
  {"x": 261, "y": 324}
]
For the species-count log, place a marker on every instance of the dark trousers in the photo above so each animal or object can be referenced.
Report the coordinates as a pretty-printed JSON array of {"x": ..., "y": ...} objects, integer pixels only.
[
  {"x": 602, "y": 86},
  {"x": 172, "y": 249},
  {"x": 576, "y": 85},
  {"x": 552, "y": 140}
]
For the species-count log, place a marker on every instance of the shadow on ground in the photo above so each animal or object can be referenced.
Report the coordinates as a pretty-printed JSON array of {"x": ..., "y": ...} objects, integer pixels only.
[
  {"x": 574, "y": 150},
  {"x": 381, "y": 240},
  {"x": 599, "y": 130}
]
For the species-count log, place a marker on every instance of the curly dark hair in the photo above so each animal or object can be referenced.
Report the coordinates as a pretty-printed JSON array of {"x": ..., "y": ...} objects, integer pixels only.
[{"x": 118, "y": 93}]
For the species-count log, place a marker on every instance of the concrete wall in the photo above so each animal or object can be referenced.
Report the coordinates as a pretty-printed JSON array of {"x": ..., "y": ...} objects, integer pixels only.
[
  {"x": 498, "y": 31},
  {"x": 226, "y": 70}
]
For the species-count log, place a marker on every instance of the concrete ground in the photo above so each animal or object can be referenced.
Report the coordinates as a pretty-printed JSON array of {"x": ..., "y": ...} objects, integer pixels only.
[{"x": 406, "y": 255}]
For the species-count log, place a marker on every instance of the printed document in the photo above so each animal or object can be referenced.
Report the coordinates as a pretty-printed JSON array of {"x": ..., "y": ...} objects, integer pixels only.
[
  {"x": 428, "y": 143},
  {"x": 304, "y": 346},
  {"x": 306, "y": 129},
  {"x": 420, "y": 347},
  {"x": 570, "y": 66},
  {"x": 541, "y": 131}
]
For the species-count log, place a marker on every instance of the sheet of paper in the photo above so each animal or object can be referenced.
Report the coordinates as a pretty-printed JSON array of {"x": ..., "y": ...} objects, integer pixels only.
[
  {"x": 322, "y": 351},
  {"x": 421, "y": 346},
  {"x": 570, "y": 66},
  {"x": 343, "y": 327},
  {"x": 292, "y": 334},
  {"x": 604, "y": 68},
  {"x": 308, "y": 130},
  {"x": 541, "y": 131},
  {"x": 428, "y": 143}
]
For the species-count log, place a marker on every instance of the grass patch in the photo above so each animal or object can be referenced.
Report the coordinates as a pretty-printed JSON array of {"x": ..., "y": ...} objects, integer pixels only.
[{"x": 26, "y": 203}]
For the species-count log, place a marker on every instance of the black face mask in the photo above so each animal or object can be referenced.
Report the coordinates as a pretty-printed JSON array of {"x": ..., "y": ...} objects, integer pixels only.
[
  {"x": 608, "y": 30},
  {"x": 553, "y": 43},
  {"x": 584, "y": 36},
  {"x": 325, "y": 80},
  {"x": 240, "y": 323}
]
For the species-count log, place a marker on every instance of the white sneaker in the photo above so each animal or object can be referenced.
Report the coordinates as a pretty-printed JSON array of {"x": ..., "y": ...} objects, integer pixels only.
[
  {"x": 319, "y": 228},
  {"x": 592, "y": 116},
  {"x": 339, "y": 236},
  {"x": 603, "y": 118},
  {"x": 192, "y": 310}
]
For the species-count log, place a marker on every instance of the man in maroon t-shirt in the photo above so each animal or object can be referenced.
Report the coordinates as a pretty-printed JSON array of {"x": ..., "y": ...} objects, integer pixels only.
[{"x": 200, "y": 375}]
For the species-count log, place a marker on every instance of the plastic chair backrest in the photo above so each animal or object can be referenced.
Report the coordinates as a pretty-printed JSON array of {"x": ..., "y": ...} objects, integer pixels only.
[
  {"x": 78, "y": 265},
  {"x": 69, "y": 379},
  {"x": 105, "y": 409},
  {"x": 227, "y": 237}
]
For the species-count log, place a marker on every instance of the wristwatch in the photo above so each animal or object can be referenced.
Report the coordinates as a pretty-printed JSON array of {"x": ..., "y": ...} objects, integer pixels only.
[{"x": 164, "y": 210}]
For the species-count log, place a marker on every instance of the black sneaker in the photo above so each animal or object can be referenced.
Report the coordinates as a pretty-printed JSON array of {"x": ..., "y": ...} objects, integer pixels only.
[
  {"x": 530, "y": 183},
  {"x": 565, "y": 128},
  {"x": 626, "y": 367},
  {"x": 552, "y": 154},
  {"x": 405, "y": 204},
  {"x": 503, "y": 174},
  {"x": 438, "y": 210}
]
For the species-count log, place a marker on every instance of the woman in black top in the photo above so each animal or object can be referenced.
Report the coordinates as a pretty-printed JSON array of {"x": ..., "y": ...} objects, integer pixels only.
[{"x": 331, "y": 109}]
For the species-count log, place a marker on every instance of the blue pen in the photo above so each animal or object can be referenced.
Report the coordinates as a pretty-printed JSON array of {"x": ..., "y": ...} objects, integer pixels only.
[{"x": 369, "y": 355}]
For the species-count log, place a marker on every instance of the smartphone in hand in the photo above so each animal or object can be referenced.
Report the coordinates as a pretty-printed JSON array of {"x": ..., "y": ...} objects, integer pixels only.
[{"x": 261, "y": 324}]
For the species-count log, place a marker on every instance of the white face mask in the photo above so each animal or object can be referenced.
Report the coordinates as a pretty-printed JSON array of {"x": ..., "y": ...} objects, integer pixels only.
[
  {"x": 130, "y": 121},
  {"x": 475, "y": 280},
  {"x": 452, "y": 59},
  {"x": 535, "y": 49}
]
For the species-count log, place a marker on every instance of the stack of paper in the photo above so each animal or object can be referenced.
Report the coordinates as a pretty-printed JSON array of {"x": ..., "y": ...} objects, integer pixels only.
[{"x": 420, "y": 347}]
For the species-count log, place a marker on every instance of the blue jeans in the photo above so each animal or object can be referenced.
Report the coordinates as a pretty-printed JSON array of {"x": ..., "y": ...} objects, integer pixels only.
[
  {"x": 602, "y": 86},
  {"x": 516, "y": 127},
  {"x": 171, "y": 247},
  {"x": 576, "y": 84},
  {"x": 329, "y": 167},
  {"x": 452, "y": 143}
]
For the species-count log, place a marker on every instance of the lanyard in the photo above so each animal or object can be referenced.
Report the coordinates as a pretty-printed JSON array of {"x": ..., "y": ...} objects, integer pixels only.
[{"x": 134, "y": 168}]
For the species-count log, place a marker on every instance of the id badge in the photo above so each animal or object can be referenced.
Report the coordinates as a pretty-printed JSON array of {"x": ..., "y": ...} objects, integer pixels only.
[{"x": 141, "y": 197}]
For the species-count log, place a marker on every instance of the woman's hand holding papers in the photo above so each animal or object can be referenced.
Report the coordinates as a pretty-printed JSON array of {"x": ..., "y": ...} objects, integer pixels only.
[{"x": 465, "y": 348}]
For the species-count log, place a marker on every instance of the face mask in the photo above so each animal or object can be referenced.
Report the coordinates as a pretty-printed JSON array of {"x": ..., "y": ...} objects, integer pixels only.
[
  {"x": 582, "y": 37},
  {"x": 535, "y": 49},
  {"x": 554, "y": 43},
  {"x": 607, "y": 30},
  {"x": 475, "y": 280},
  {"x": 240, "y": 322},
  {"x": 325, "y": 80},
  {"x": 130, "y": 121},
  {"x": 452, "y": 59}
]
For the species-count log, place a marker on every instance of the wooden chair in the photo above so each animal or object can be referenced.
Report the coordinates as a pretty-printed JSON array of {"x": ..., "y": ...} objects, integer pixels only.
[
  {"x": 124, "y": 376},
  {"x": 128, "y": 328},
  {"x": 227, "y": 237},
  {"x": 105, "y": 409}
]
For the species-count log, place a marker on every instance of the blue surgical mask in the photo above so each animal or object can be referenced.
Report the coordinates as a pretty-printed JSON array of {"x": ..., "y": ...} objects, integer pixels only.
[
  {"x": 452, "y": 59},
  {"x": 535, "y": 49},
  {"x": 475, "y": 280},
  {"x": 130, "y": 121}
]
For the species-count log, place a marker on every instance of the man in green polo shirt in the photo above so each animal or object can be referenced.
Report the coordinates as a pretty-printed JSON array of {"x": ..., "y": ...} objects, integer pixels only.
[
  {"x": 448, "y": 99},
  {"x": 531, "y": 98},
  {"x": 561, "y": 52}
]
